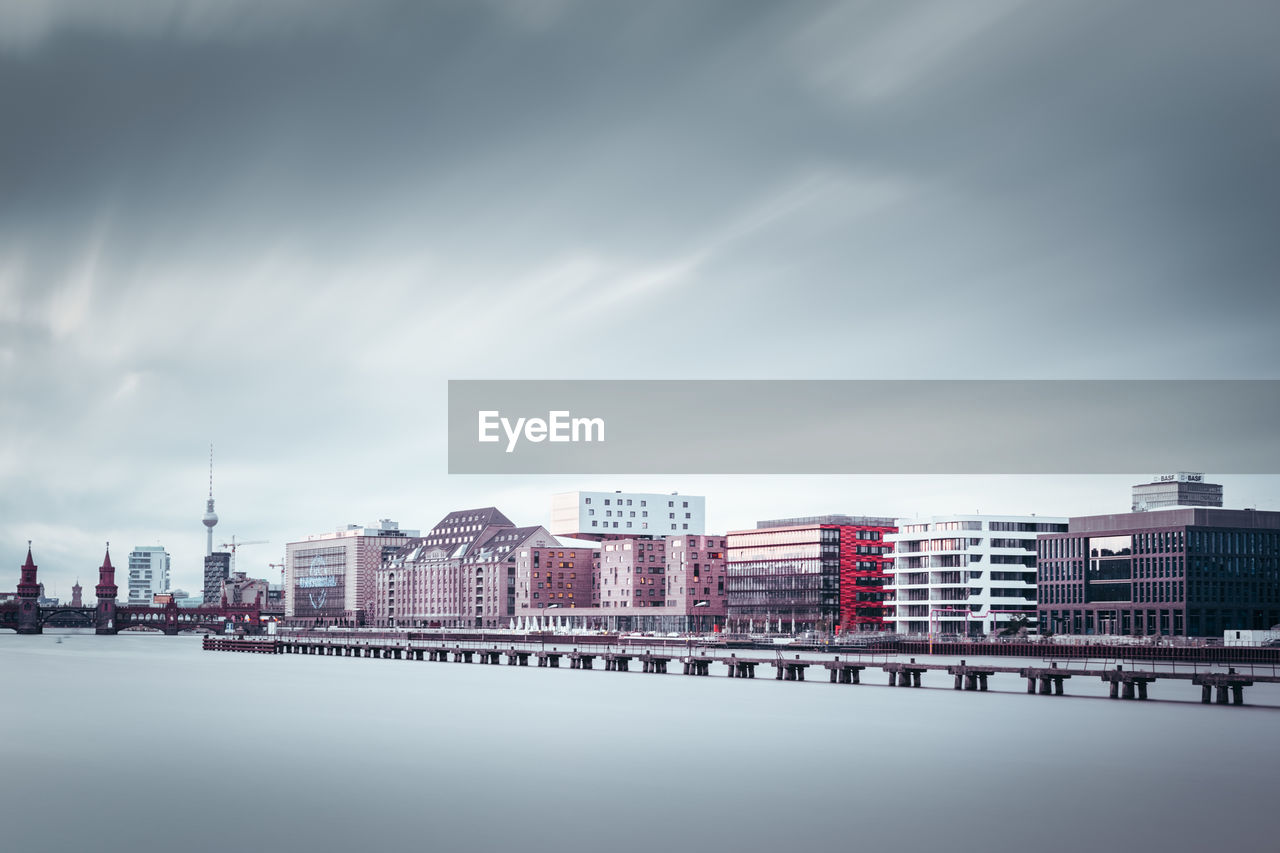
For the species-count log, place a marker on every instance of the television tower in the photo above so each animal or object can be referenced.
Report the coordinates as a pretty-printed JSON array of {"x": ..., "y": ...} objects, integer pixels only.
[{"x": 210, "y": 517}]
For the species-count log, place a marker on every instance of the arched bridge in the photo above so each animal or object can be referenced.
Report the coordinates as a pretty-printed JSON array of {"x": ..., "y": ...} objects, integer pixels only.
[
  {"x": 25, "y": 615},
  {"x": 169, "y": 619}
]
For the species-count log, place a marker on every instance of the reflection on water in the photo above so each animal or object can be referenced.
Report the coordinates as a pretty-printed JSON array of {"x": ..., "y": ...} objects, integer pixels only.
[{"x": 146, "y": 743}]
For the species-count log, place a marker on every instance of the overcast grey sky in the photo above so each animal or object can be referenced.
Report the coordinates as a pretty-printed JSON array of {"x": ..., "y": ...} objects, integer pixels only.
[{"x": 282, "y": 227}]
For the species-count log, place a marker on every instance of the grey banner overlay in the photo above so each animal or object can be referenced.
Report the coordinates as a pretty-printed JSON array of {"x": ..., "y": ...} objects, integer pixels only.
[{"x": 870, "y": 426}]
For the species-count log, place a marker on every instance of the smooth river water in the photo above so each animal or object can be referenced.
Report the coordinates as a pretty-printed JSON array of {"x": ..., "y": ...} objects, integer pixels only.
[{"x": 146, "y": 743}]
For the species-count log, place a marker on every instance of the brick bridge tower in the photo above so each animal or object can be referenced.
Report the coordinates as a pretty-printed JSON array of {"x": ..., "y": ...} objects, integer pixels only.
[
  {"x": 105, "y": 618},
  {"x": 28, "y": 598}
]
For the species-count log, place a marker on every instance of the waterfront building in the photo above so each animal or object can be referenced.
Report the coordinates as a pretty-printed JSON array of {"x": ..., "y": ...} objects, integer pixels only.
[
  {"x": 599, "y": 515},
  {"x": 1183, "y": 489},
  {"x": 330, "y": 578},
  {"x": 664, "y": 584},
  {"x": 461, "y": 574},
  {"x": 697, "y": 581},
  {"x": 965, "y": 574},
  {"x": 217, "y": 568},
  {"x": 632, "y": 574},
  {"x": 818, "y": 573},
  {"x": 1175, "y": 572},
  {"x": 148, "y": 573},
  {"x": 554, "y": 582}
]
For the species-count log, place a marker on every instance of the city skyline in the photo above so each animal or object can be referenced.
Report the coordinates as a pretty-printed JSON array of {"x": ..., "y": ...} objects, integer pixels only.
[
  {"x": 729, "y": 507},
  {"x": 283, "y": 229}
]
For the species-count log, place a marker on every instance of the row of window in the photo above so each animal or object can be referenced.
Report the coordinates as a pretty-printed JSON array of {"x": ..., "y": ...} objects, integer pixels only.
[
  {"x": 618, "y": 502},
  {"x": 644, "y": 525}
]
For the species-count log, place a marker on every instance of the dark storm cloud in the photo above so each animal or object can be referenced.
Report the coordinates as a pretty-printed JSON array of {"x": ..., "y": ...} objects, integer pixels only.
[
  {"x": 631, "y": 126},
  {"x": 284, "y": 226}
]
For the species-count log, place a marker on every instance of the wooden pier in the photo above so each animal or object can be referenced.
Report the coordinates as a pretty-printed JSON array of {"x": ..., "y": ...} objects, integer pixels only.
[{"x": 1216, "y": 687}]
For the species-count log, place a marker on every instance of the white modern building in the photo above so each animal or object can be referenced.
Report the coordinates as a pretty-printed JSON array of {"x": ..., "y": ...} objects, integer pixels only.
[
  {"x": 597, "y": 515},
  {"x": 148, "y": 573},
  {"x": 965, "y": 574}
]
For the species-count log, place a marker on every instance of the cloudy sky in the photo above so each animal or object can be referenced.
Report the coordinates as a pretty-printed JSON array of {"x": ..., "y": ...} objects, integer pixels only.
[{"x": 282, "y": 227}]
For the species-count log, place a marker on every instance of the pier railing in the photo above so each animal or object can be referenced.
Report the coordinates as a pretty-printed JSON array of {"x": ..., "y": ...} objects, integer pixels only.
[{"x": 1129, "y": 682}]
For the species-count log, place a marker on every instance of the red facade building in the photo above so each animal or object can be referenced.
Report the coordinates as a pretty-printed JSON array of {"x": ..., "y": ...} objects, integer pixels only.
[
  {"x": 822, "y": 573},
  {"x": 865, "y": 559}
]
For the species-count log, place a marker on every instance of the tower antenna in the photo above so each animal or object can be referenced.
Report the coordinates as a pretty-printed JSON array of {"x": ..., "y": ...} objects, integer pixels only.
[{"x": 210, "y": 517}]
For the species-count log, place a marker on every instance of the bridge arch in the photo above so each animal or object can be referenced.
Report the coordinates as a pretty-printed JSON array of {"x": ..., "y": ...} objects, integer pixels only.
[{"x": 68, "y": 617}]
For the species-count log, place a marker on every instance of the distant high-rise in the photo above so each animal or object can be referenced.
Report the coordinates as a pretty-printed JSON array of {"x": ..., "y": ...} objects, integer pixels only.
[
  {"x": 210, "y": 517},
  {"x": 217, "y": 568},
  {"x": 1182, "y": 489},
  {"x": 148, "y": 573},
  {"x": 76, "y": 591}
]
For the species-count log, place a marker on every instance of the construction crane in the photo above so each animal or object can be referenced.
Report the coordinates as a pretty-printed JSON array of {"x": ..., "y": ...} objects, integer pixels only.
[
  {"x": 279, "y": 566},
  {"x": 233, "y": 545}
]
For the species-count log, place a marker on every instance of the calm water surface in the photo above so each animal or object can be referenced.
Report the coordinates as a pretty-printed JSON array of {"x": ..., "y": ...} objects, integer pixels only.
[{"x": 146, "y": 743}]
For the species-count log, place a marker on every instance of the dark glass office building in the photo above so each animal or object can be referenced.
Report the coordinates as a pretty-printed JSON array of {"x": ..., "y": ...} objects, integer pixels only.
[{"x": 1179, "y": 572}]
